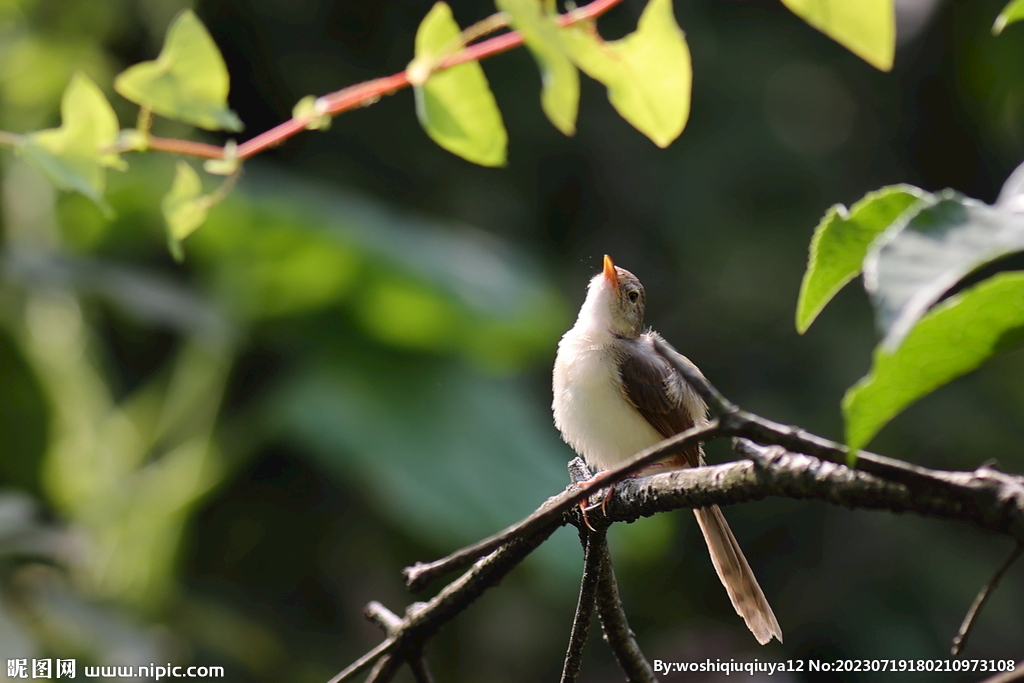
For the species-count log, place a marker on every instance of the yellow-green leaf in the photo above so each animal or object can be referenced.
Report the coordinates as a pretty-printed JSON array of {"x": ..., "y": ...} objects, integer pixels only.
[
  {"x": 455, "y": 106},
  {"x": 72, "y": 156},
  {"x": 184, "y": 206},
  {"x": 188, "y": 81},
  {"x": 867, "y": 28},
  {"x": 560, "y": 94},
  {"x": 647, "y": 73},
  {"x": 1014, "y": 11},
  {"x": 841, "y": 242},
  {"x": 950, "y": 340}
]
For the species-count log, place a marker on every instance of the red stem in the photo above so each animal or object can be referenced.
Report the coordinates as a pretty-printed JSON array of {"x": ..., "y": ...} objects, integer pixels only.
[{"x": 365, "y": 94}]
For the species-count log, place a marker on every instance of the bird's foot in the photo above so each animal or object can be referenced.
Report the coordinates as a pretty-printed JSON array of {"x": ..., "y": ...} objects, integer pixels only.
[{"x": 595, "y": 482}]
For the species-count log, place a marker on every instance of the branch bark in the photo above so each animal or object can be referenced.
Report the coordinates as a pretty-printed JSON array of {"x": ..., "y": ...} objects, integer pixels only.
[{"x": 781, "y": 461}]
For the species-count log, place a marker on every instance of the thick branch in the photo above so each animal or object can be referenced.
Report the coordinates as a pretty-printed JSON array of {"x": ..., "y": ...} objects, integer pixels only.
[
  {"x": 774, "y": 471},
  {"x": 794, "y": 464},
  {"x": 987, "y": 497}
]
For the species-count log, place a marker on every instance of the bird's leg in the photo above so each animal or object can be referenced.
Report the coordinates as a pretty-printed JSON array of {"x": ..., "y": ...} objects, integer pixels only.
[{"x": 595, "y": 482}]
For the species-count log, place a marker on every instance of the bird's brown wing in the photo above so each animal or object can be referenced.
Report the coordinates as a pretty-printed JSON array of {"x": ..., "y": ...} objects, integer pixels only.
[
  {"x": 671, "y": 406},
  {"x": 659, "y": 393}
]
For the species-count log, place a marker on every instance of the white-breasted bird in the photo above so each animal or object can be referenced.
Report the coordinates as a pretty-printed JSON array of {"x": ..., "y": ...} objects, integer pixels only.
[{"x": 614, "y": 395}]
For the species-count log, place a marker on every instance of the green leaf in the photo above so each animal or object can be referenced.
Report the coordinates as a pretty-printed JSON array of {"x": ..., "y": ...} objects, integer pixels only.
[
  {"x": 867, "y": 28},
  {"x": 70, "y": 156},
  {"x": 184, "y": 206},
  {"x": 188, "y": 81},
  {"x": 647, "y": 73},
  {"x": 560, "y": 94},
  {"x": 913, "y": 265},
  {"x": 954, "y": 338},
  {"x": 841, "y": 242},
  {"x": 455, "y": 106},
  {"x": 1014, "y": 11}
]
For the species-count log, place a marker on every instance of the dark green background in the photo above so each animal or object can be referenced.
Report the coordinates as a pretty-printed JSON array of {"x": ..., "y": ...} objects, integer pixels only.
[{"x": 395, "y": 312}]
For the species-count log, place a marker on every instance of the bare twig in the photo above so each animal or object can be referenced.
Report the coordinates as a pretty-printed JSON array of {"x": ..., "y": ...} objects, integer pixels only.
[
  {"x": 783, "y": 461},
  {"x": 420, "y": 672},
  {"x": 551, "y": 512},
  {"x": 960, "y": 641},
  {"x": 364, "y": 662},
  {"x": 613, "y": 618},
  {"x": 384, "y": 670},
  {"x": 584, "y": 607},
  {"x": 388, "y": 621}
]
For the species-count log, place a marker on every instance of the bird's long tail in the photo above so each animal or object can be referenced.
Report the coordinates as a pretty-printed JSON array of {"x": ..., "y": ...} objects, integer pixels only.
[{"x": 736, "y": 575}]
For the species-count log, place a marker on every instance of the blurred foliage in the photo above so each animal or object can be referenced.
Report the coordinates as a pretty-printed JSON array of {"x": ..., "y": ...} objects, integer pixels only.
[{"x": 349, "y": 371}]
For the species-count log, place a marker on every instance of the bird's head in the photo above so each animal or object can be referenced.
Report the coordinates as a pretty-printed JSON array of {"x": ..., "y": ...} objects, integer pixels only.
[{"x": 615, "y": 302}]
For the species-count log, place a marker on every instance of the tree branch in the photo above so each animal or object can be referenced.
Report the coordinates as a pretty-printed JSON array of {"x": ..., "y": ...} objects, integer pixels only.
[
  {"x": 784, "y": 461},
  {"x": 367, "y": 93},
  {"x": 592, "y": 570},
  {"x": 960, "y": 640},
  {"x": 613, "y": 618},
  {"x": 990, "y": 498},
  {"x": 552, "y": 511}
]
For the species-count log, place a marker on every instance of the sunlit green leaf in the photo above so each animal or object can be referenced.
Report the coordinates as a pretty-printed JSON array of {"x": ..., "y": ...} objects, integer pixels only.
[
  {"x": 1014, "y": 11},
  {"x": 455, "y": 106},
  {"x": 867, "y": 28},
  {"x": 954, "y": 338},
  {"x": 841, "y": 242},
  {"x": 647, "y": 73},
  {"x": 188, "y": 81},
  {"x": 184, "y": 206},
  {"x": 71, "y": 156},
  {"x": 910, "y": 269},
  {"x": 560, "y": 81}
]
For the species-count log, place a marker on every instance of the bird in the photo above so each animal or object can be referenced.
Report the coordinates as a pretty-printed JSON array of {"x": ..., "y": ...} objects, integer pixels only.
[{"x": 615, "y": 395}]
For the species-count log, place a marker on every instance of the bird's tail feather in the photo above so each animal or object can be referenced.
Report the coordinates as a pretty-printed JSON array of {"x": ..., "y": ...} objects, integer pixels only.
[{"x": 736, "y": 575}]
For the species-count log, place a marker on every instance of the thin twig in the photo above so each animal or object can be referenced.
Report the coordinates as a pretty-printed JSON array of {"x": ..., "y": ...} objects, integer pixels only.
[
  {"x": 960, "y": 641},
  {"x": 584, "y": 607},
  {"x": 392, "y": 625},
  {"x": 371, "y": 91},
  {"x": 424, "y": 619},
  {"x": 382, "y": 617},
  {"x": 613, "y": 618},
  {"x": 385, "y": 669},
  {"x": 361, "y": 664},
  {"x": 418, "y": 575},
  {"x": 420, "y": 672}
]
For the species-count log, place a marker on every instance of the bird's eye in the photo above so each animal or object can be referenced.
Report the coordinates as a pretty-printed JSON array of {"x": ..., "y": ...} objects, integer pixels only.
[{"x": 634, "y": 295}]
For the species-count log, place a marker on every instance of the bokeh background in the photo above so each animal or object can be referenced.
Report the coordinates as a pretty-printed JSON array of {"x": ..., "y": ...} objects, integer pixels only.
[{"x": 221, "y": 462}]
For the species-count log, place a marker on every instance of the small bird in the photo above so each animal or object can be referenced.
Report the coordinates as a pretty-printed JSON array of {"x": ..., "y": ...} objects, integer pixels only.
[{"x": 614, "y": 395}]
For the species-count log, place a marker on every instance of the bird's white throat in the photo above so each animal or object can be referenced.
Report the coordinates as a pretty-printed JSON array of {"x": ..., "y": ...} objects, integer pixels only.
[{"x": 590, "y": 410}]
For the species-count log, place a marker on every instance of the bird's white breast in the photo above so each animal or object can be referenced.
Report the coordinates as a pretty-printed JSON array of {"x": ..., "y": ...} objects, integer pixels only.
[{"x": 595, "y": 418}]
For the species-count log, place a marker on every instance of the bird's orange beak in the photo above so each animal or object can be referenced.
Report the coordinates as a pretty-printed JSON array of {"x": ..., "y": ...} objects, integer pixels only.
[{"x": 610, "y": 274}]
